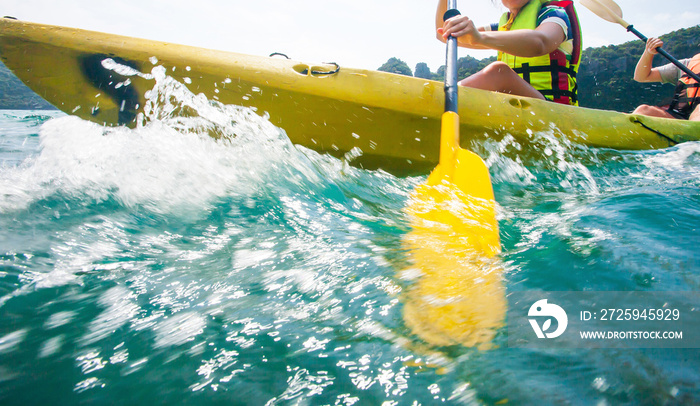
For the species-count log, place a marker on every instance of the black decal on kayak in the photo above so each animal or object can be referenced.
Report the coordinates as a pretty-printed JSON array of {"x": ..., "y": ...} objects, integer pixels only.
[
  {"x": 113, "y": 84},
  {"x": 671, "y": 141}
]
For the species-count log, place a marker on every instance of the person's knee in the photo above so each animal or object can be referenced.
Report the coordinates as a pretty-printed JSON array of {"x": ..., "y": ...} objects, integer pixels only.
[
  {"x": 653, "y": 111},
  {"x": 497, "y": 67},
  {"x": 643, "y": 109},
  {"x": 493, "y": 77}
]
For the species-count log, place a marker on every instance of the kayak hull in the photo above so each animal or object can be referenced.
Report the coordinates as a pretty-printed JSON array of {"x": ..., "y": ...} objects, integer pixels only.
[{"x": 393, "y": 119}]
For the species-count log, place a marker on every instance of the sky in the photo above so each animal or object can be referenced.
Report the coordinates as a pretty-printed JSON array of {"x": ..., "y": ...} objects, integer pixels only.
[{"x": 354, "y": 33}]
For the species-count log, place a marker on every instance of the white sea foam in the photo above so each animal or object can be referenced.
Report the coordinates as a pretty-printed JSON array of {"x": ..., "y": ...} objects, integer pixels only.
[
  {"x": 680, "y": 161},
  {"x": 179, "y": 329},
  {"x": 119, "y": 309},
  {"x": 167, "y": 163}
]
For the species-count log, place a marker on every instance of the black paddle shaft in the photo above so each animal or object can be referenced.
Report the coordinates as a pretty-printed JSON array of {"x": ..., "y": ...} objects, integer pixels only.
[
  {"x": 451, "y": 102},
  {"x": 663, "y": 52}
]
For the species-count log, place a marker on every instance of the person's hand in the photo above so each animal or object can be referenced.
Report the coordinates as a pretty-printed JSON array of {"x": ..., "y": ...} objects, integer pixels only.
[
  {"x": 460, "y": 27},
  {"x": 652, "y": 44}
]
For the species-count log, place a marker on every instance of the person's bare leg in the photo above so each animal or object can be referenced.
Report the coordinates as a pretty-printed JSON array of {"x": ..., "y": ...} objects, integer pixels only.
[
  {"x": 499, "y": 77},
  {"x": 695, "y": 115},
  {"x": 653, "y": 111}
]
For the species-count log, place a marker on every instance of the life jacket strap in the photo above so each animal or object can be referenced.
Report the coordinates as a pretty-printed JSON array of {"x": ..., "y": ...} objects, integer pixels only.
[
  {"x": 682, "y": 104},
  {"x": 554, "y": 68},
  {"x": 525, "y": 69}
]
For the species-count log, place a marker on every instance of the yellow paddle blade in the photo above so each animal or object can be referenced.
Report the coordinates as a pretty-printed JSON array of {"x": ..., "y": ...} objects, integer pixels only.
[{"x": 457, "y": 296}]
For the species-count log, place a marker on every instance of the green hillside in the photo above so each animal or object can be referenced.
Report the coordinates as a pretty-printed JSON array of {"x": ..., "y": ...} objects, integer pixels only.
[{"x": 605, "y": 76}]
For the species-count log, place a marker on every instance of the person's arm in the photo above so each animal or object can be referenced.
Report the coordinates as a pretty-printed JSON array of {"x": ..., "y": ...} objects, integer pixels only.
[
  {"x": 543, "y": 40},
  {"x": 644, "y": 72}
]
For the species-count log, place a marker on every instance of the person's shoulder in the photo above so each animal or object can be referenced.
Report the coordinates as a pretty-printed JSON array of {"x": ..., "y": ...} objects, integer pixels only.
[
  {"x": 670, "y": 73},
  {"x": 556, "y": 14},
  {"x": 552, "y": 11}
]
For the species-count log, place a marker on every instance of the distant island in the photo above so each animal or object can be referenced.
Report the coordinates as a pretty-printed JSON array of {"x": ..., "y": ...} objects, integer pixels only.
[{"x": 604, "y": 80}]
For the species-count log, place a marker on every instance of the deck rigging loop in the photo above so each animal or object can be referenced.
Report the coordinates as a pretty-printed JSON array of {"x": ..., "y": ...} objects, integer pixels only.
[
  {"x": 313, "y": 72},
  {"x": 660, "y": 134},
  {"x": 279, "y": 54},
  {"x": 332, "y": 72}
]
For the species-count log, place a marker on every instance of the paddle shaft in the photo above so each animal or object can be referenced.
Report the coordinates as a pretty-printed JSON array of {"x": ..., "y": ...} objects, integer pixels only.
[
  {"x": 449, "y": 131},
  {"x": 451, "y": 102},
  {"x": 663, "y": 52}
]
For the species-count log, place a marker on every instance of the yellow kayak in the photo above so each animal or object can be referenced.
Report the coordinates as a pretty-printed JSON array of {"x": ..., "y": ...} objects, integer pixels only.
[{"x": 393, "y": 119}]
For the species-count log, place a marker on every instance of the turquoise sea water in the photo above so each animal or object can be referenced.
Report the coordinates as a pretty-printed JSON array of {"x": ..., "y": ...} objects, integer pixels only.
[{"x": 160, "y": 266}]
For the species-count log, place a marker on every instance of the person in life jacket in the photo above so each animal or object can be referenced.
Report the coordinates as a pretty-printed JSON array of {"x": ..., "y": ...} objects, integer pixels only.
[
  {"x": 538, "y": 44},
  {"x": 687, "y": 97}
]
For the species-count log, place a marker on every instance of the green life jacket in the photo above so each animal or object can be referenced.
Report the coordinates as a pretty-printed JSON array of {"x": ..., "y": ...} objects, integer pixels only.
[{"x": 553, "y": 75}]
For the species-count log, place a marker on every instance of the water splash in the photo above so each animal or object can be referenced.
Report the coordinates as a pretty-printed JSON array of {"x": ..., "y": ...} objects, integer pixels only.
[
  {"x": 196, "y": 268},
  {"x": 229, "y": 249}
]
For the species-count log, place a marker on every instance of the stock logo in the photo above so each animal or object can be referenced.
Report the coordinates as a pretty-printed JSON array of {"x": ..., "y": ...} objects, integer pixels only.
[{"x": 543, "y": 309}]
